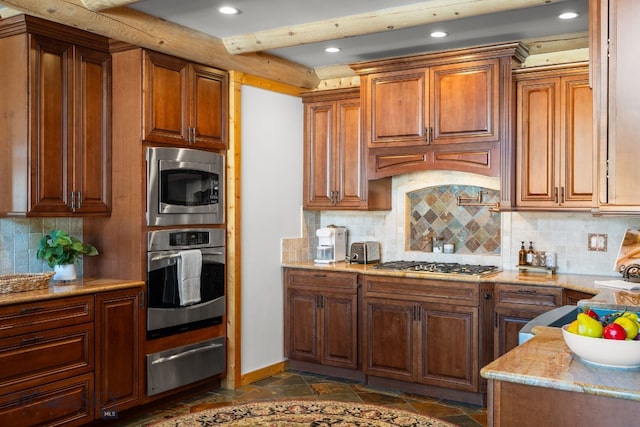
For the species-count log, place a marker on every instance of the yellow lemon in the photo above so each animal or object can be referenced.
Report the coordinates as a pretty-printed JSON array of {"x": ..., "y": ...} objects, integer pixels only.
[
  {"x": 629, "y": 325},
  {"x": 588, "y": 326},
  {"x": 573, "y": 327}
]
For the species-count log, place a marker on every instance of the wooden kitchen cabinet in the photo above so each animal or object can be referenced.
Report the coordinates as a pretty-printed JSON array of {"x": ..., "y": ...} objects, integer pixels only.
[
  {"x": 554, "y": 138},
  {"x": 119, "y": 357},
  {"x": 321, "y": 317},
  {"x": 614, "y": 32},
  {"x": 56, "y": 101},
  {"x": 446, "y": 111},
  {"x": 515, "y": 306},
  {"x": 185, "y": 104},
  {"x": 334, "y": 156},
  {"x": 47, "y": 354},
  {"x": 428, "y": 332}
]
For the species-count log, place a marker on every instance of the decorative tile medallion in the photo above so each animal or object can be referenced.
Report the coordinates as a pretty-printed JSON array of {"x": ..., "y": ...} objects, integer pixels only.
[{"x": 459, "y": 214}]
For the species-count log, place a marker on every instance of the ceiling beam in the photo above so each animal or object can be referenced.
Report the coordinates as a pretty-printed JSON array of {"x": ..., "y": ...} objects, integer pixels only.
[
  {"x": 99, "y": 5},
  {"x": 372, "y": 22},
  {"x": 139, "y": 29}
]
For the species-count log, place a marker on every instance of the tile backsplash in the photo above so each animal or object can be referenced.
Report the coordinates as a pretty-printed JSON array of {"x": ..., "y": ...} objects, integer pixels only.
[
  {"x": 20, "y": 237},
  {"x": 458, "y": 214}
]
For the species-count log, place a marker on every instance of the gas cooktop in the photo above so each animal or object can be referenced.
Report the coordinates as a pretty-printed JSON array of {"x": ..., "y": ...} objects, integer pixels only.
[{"x": 448, "y": 268}]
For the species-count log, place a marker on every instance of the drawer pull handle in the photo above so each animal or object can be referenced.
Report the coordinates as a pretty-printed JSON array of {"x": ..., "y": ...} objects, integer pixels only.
[
  {"x": 30, "y": 309},
  {"x": 319, "y": 275},
  {"x": 31, "y": 340},
  {"x": 526, "y": 291}
]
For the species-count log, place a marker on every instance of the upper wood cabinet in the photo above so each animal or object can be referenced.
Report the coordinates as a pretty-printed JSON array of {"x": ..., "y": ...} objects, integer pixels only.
[
  {"x": 185, "y": 103},
  {"x": 438, "y": 111},
  {"x": 554, "y": 138},
  {"x": 614, "y": 33},
  {"x": 334, "y": 156},
  {"x": 56, "y": 105}
]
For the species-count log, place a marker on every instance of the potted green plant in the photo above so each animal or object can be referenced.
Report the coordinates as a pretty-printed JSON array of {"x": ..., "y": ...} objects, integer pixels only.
[{"x": 60, "y": 251}]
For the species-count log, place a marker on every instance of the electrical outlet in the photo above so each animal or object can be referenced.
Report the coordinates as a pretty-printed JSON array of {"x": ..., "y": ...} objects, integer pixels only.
[{"x": 597, "y": 242}]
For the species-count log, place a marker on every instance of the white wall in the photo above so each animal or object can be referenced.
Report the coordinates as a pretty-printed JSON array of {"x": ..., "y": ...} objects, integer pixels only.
[{"x": 271, "y": 198}]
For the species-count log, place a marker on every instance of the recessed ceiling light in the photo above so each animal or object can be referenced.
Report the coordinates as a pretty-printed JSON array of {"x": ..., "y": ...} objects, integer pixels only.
[
  {"x": 332, "y": 49},
  {"x": 438, "y": 34},
  {"x": 228, "y": 10},
  {"x": 568, "y": 15}
]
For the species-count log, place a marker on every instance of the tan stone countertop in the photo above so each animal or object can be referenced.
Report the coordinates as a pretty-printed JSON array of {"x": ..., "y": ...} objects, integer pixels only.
[
  {"x": 582, "y": 283},
  {"x": 69, "y": 289},
  {"x": 546, "y": 361}
]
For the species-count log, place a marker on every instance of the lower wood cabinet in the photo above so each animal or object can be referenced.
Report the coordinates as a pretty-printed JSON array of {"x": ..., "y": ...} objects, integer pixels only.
[
  {"x": 70, "y": 360},
  {"x": 424, "y": 331},
  {"x": 321, "y": 323},
  {"x": 515, "y": 306},
  {"x": 119, "y": 360}
]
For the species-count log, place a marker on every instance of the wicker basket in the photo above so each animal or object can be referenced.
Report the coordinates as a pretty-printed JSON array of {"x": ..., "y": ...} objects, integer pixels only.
[{"x": 10, "y": 283}]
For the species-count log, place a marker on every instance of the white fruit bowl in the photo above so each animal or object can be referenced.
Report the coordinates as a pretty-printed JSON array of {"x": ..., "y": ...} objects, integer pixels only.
[{"x": 602, "y": 352}]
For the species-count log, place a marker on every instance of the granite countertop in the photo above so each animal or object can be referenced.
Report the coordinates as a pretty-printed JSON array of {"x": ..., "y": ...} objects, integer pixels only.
[
  {"x": 69, "y": 289},
  {"x": 546, "y": 361},
  {"x": 577, "y": 282}
]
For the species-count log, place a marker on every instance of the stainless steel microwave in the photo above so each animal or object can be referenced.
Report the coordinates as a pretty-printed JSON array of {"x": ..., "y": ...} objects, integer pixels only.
[{"x": 184, "y": 186}]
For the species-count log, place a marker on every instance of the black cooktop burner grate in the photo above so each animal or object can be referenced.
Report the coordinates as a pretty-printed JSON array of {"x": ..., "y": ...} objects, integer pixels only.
[{"x": 438, "y": 267}]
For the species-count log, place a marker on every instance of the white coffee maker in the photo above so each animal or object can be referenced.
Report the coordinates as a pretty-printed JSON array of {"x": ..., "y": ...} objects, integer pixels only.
[{"x": 332, "y": 245}]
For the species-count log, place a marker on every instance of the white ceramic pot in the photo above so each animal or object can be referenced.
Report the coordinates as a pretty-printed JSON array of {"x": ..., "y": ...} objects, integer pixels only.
[{"x": 65, "y": 272}]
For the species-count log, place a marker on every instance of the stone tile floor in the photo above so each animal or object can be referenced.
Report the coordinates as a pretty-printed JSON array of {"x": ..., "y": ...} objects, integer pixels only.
[{"x": 302, "y": 385}]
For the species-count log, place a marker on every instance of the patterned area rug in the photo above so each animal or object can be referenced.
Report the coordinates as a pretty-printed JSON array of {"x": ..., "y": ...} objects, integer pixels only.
[{"x": 303, "y": 413}]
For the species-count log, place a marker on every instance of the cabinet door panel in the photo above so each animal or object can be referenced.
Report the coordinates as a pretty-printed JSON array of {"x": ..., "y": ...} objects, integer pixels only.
[
  {"x": 350, "y": 174},
  {"x": 390, "y": 339},
  {"x": 51, "y": 123},
  {"x": 340, "y": 332},
  {"x": 397, "y": 109},
  {"x": 166, "y": 114},
  {"x": 209, "y": 107},
  {"x": 449, "y": 347},
  {"x": 577, "y": 128},
  {"x": 538, "y": 125},
  {"x": 302, "y": 325},
  {"x": 318, "y": 180},
  {"x": 92, "y": 150},
  {"x": 508, "y": 325},
  {"x": 466, "y": 102}
]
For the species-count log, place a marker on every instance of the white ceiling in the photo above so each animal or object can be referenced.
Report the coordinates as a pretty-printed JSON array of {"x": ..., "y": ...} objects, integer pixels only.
[{"x": 258, "y": 15}]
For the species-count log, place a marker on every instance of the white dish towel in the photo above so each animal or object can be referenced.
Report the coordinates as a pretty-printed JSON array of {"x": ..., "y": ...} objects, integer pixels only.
[{"x": 189, "y": 270}]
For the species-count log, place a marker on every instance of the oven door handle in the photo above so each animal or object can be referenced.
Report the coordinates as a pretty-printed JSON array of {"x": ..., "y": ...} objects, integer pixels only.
[
  {"x": 186, "y": 353},
  {"x": 161, "y": 257}
]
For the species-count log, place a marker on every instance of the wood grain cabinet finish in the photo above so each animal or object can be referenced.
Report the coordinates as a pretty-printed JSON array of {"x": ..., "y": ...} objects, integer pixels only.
[
  {"x": 47, "y": 354},
  {"x": 119, "y": 360},
  {"x": 437, "y": 112},
  {"x": 185, "y": 103},
  {"x": 321, "y": 317},
  {"x": 334, "y": 157},
  {"x": 516, "y": 305},
  {"x": 56, "y": 103},
  {"x": 554, "y": 139},
  {"x": 423, "y": 331},
  {"x": 614, "y": 33}
]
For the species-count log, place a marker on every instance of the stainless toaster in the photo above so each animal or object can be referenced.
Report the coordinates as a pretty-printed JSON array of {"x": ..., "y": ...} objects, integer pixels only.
[{"x": 364, "y": 252}]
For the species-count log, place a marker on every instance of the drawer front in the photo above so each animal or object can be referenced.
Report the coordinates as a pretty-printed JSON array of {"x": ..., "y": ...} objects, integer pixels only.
[
  {"x": 534, "y": 296},
  {"x": 422, "y": 290},
  {"x": 31, "y": 317},
  {"x": 28, "y": 360},
  {"x": 322, "y": 280},
  {"x": 66, "y": 402}
]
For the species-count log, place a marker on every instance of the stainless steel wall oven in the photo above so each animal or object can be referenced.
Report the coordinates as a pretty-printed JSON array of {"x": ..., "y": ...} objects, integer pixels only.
[{"x": 181, "y": 263}]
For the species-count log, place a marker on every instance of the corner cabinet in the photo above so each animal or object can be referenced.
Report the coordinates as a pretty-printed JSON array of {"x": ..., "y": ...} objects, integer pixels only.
[
  {"x": 56, "y": 104},
  {"x": 614, "y": 33},
  {"x": 446, "y": 110},
  {"x": 321, "y": 317},
  {"x": 334, "y": 161},
  {"x": 428, "y": 332},
  {"x": 184, "y": 104},
  {"x": 554, "y": 138}
]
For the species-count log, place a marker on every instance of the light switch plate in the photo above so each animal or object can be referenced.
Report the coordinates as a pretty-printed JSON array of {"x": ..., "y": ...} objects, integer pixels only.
[{"x": 597, "y": 242}]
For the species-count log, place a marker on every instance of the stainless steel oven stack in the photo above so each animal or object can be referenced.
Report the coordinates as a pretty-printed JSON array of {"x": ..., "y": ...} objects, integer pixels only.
[{"x": 166, "y": 316}]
